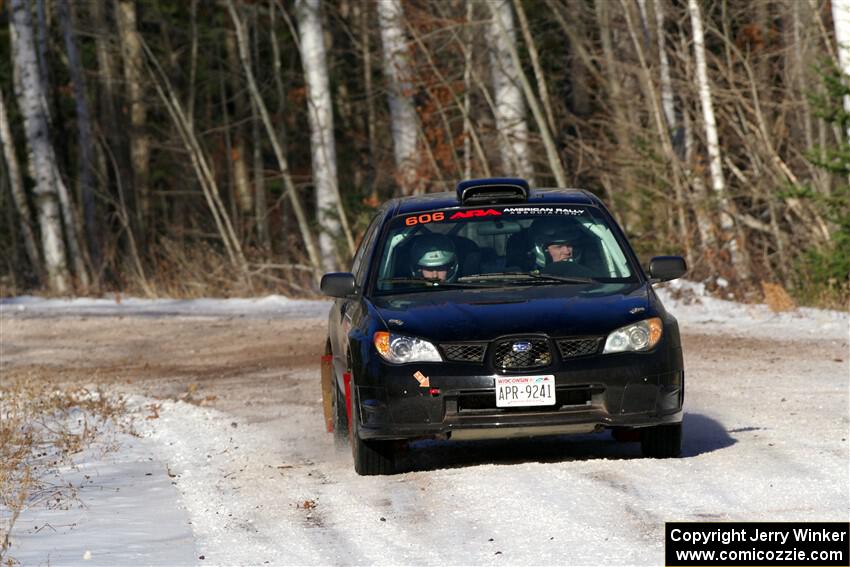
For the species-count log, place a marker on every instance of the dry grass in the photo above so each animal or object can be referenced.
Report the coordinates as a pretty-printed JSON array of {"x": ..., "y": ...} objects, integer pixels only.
[
  {"x": 42, "y": 427},
  {"x": 777, "y": 298},
  {"x": 201, "y": 270}
]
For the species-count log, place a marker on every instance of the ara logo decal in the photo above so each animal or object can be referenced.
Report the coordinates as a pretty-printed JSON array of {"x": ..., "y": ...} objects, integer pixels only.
[{"x": 474, "y": 213}]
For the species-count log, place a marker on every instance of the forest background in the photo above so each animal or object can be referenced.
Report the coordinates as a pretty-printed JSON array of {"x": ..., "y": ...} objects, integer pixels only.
[{"x": 233, "y": 147}]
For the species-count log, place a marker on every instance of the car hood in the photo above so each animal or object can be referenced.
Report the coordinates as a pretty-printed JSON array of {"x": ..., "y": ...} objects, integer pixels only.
[{"x": 484, "y": 314}]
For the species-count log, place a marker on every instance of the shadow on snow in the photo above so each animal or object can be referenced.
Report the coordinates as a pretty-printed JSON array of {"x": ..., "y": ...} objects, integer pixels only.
[{"x": 701, "y": 435}]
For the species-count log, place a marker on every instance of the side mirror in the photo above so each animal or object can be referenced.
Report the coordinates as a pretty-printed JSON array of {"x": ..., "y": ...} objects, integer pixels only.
[
  {"x": 338, "y": 284},
  {"x": 666, "y": 268}
]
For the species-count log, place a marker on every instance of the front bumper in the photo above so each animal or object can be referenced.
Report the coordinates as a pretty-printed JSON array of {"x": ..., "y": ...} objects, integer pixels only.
[{"x": 615, "y": 390}]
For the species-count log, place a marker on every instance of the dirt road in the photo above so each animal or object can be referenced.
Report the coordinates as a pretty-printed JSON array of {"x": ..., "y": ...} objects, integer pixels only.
[{"x": 239, "y": 425}]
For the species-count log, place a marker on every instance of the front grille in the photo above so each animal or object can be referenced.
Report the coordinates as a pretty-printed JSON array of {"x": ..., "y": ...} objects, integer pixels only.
[
  {"x": 464, "y": 352},
  {"x": 486, "y": 401},
  {"x": 522, "y": 354},
  {"x": 579, "y": 346}
]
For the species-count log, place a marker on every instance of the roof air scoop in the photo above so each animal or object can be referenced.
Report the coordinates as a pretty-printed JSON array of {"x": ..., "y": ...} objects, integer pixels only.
[{"x": 492, "y": 190}]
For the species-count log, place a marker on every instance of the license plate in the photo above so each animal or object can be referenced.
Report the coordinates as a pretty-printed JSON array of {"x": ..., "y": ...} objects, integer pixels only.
[{"x": 514, "y": 391}]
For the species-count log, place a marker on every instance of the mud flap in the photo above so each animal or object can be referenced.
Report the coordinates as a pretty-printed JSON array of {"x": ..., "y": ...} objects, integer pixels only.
[
  {"x": 346, "y": 379},
  {"x": 327, "y": 384}
]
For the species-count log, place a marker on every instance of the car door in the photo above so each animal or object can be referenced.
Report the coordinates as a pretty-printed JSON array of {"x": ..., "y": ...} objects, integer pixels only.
[{"x": 347, "y": 311}]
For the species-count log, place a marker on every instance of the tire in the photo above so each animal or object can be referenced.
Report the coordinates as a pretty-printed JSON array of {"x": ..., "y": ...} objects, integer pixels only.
[
  {"x": 661, "y": 441},
  {"x": 370, "y": 457},
  {"x": 340, "y": 420}
]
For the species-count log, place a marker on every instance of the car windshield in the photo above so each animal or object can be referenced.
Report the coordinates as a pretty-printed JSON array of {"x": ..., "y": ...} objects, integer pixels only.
[{"x": 500, "y": 246}]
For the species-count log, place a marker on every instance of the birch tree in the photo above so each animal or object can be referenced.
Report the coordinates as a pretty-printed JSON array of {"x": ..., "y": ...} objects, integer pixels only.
[
  {"x": 330, "y": 214},
  {"x": 507, "y": 92},
  {"x": 718, "y": 184},
  {"x": 404, "y": 121},
  {"x": 18, "y": 196},
  {"x": 32, "y": 101}
]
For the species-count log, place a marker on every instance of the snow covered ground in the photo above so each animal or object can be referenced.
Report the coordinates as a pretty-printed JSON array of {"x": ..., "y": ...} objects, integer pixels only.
[
  {"x": 270, "y": 306},
  {"x": 256, "y": 480},
  {"x": 696, "y": 310},
  {"x": 121, "y": 508}
]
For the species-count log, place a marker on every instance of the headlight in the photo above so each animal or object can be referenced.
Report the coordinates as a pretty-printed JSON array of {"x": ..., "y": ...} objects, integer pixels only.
[
  {"x": 642, "y": 335},
  {"x": 400, "y": 349}
]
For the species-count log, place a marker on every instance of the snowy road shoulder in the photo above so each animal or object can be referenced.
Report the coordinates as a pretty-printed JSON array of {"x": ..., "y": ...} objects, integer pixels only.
[
  {"x": 697, "y": 311},
  {"x": 117, "y": 508},
  {"x": 271, "y": 306}
]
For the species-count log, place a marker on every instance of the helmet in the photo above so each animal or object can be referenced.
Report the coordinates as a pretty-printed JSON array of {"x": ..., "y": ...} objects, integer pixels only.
[
  {"x": 433, "y": 252},
  {"x": 546, "y": 232}
]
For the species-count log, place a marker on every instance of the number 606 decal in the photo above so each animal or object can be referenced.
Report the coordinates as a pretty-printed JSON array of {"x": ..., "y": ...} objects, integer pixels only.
[{"x": 424, "y": 218}]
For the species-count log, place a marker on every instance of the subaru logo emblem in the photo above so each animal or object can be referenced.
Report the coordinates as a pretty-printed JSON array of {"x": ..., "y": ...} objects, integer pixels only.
[{"x": 521, "y": 347}]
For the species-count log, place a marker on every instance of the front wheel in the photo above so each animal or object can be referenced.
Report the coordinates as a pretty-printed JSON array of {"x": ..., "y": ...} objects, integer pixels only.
[
  {"x": 371, "y": 457},
  {"x": 661, "y": 441},
  {"x": 341, "y": 433}
]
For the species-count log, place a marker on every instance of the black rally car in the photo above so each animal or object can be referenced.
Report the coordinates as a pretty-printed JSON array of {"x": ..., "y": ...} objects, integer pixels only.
[{"x": 497, "y": 312}]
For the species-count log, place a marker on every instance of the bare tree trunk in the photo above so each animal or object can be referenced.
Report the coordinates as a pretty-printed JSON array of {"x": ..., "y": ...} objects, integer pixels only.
[
  {"x": 667, "y": 100},
  {"x": 663, "y": 136},
  {"x": 193, "y": 62},
  {"x": 841, "y": 21},
  {"x": 84, "y": 135},
  {"x": 368, "y": 160},
  {"x": 330, "y": 212},
  {"x": 41, "y": 46},
  {"x": 402, "y": 112},
  {"x": 467, "y": 91},
  {"x": 200, "y": 162},
  {"x": 131, "y": 51},
  {"x": 283, "y": 164},
  {"x": 801, "y": 23},
  {"x": 238, "y": 155},
  {"x": 16, "y": 185},
  {"x": 727, "y": 226},
  {"x": 621, "y": 124},
  {"x": 580, "y": 61},
  {"x": 32, "y": 100},
  {"x": 700, "y": 203},
  {"x": 107, "y": 109},
  {"x": 510, "y": 104},
  {"x": 261, "y": 211},
  {"x": 535, "y": 64}
]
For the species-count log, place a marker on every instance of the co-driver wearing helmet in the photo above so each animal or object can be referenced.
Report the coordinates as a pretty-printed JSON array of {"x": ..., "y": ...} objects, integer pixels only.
[
  {"x": 556, "y": 240},
  {"x": 433, "y": 257}
]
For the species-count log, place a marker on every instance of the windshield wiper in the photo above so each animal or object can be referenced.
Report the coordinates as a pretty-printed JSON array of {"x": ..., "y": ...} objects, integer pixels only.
[
  {"x": 535, "y": 275},
  {"x": 430, "y": 283}
]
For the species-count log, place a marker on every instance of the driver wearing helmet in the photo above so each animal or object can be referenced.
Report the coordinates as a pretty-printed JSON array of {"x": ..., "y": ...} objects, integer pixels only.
[
  {"x": 556, "y": 240},
  {"x": 433, "y": 257}
]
